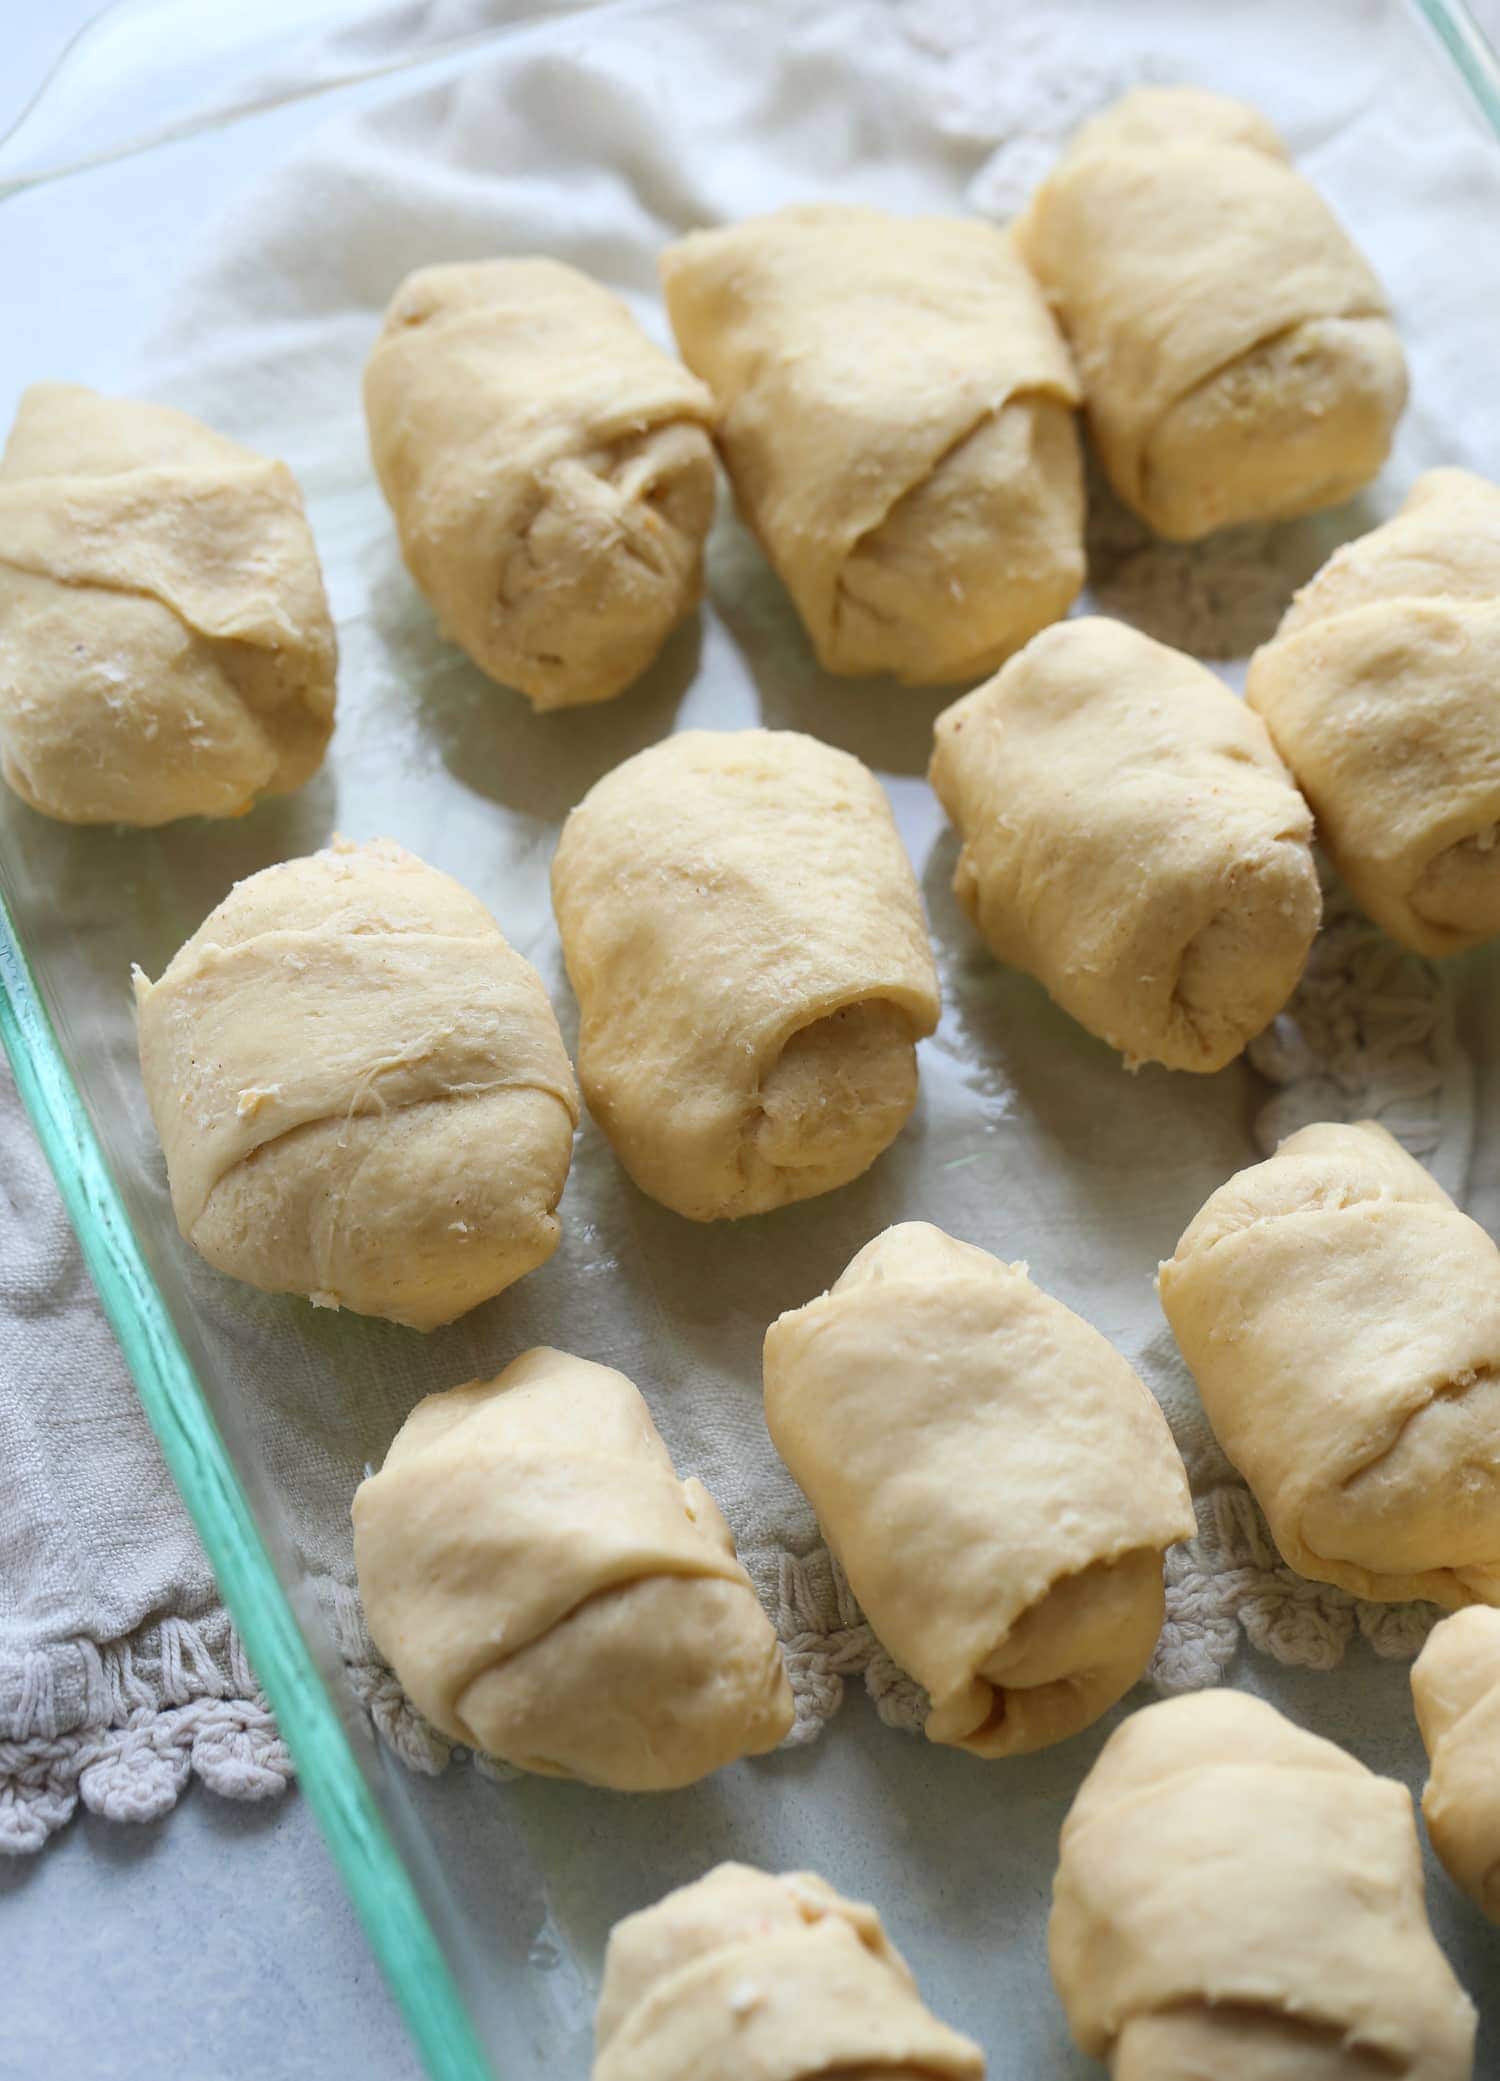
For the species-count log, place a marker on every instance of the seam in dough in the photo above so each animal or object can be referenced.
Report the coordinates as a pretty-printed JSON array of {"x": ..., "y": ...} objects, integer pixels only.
[
  {"x": 166, "y": 648},
  {"x": 361, "y": 1090},
  {"x": 1381, "y": 690}
]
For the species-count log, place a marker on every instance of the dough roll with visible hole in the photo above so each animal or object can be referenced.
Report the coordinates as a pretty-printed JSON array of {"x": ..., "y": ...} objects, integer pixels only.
[
  {"x": 743, "y": 931},
  {"x": 1381, "y": 690},
  {"x": 1342, "y": 1320},
  {"x": 1455, "y": 1686},
  {"x": 1235, "y": 351},
  {"x": 548, "y": 1591},
  {"x": 165, "y": 644},
  {"x": 744, "y": 1973},
  {"x": 996, "y": 1481},
  {"x": 550, "y": 472},
  {"x": 1237, "y": 1897},
  {"x": 361, "y": 1089},
  {"x": 1131, "y": 838},
  {"x": 897, "y": 415}
]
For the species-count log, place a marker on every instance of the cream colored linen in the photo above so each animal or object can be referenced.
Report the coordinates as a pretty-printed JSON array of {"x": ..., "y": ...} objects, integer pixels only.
[
  {"x": 1342, "y": 1320},
  {"x": 1238, "y": 1897},
  {"x": 547, "y": 1590},
  {"x": 165, "y": 643},
  {"x": 1455, "y": 1686},
  {"x": 1235, "y": 351},
  {"x": 1381, "y": 689},
  {"x": 744, "y": 934},
  {"x": 744, "y": 1974},
  {"x": 549, "y": 470},
  {"x": 995, "y": 1479},
  {"x": 1131, "y": 839},
  {"x": 361, "y": 1090},
  {"x": 896, "y": 412}
]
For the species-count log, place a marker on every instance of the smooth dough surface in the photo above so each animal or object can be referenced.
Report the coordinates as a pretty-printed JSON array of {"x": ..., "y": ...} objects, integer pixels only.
[
  {"x": 996, "y": 1481},
  {"x": 897, "y": 415},
  {"x": 1238, "y": 1897},
  {"x": 1131, "y": 838},
  {"x": 361, "y": 1089},
  {"x": 165, "y": 644},
  {"x": 1235, "y": 351},
  {"x": 550, "y": 472},
  {"x": 1381, "y": 689},
  {"x": 1342, "y": 1320},
  {"x": 548, "y": 1591},
  {"x": 1455, "y": 1686},
  {"x": 744, "y": 935},
  {"x": 777, "y": 1977}
]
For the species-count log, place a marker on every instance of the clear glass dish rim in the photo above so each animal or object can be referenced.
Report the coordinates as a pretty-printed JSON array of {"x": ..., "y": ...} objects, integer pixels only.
[{"x": 373, "y": 1870}]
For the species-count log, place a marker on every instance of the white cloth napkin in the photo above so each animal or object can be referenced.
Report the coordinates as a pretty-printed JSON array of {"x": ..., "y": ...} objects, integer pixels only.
[{"x": 118, "y": 1671}]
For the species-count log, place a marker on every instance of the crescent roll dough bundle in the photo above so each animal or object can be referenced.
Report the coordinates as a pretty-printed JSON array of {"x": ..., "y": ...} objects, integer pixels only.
[
  {"x": 896, "y": 410},
  {"x": 995, "y": 1479},
  {"x": 1236, "y": 1897},
  {"x": 1132, "y": 840},
  {"x": 781, "y": 1978},
  {"x": 549, "y": 471},
  {"x": 1382, "y": 691},
  {"x": 165, "y": 644},
  {"x": 1455, "y": 1686},
  {"x": 1342, "y": 1320},
  {"x": 744, "y": 935},
  {"x": 1235, "y": 351},
  {"x": 547, "y": 1590},
  {"x": 361, "y": 1089}
]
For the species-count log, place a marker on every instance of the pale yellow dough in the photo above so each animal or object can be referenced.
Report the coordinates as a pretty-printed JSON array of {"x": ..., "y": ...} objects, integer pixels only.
[
  {"x": 1342, "y": 1320},
  {"x": 165, "y": 644},
  {"x": 548, "y": 1591},
  {"x": 897, "y": 414},
  {"x": 1131, "y": 838},
  {"x": 1381, "y": 689},
  {"x": 549, "y": 469},
  {"x": 746, "y": 1976},
  {"x": 1235, "y": 351},
  {"x": 1455, "y": 1686},
  {"x": 744, "y": 934},
  {"x": 361, "y": 1090},
  {"x": 997, "y": 1482},
  {"x": 1238, "y": 1898}
]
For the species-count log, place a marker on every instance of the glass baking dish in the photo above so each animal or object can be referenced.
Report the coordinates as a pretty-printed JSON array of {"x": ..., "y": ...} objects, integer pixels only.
[{"x": 487, "y": 1903}]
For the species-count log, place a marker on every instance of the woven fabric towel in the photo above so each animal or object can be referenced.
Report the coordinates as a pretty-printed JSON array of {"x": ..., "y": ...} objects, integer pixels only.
[{"x": 120, "y": 1673}]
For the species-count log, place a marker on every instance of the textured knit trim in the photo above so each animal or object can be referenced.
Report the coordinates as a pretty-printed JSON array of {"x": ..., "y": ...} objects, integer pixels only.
[{"x": 122, "y": 1728}]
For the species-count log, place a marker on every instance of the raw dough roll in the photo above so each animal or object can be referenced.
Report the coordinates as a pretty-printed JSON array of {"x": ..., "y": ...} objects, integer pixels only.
[
  {"x": 897, "y": 416},
  {"x": 547, "y": 1590},
  {"x": 1235, "y": 351},
  {"x": 1132, "y": 840},
  {"x": 995, "y": 1479},
  {"x": 361, "y": 1089},
  {"x": 165, "y": 644},
  {"x": 1381, "y": 689},
  {"x": 744, "y": 935},
  {"x": 1455, "y": 1686},
  {"x": 549, "y": 469},
  {"x": 744, "y": 1974},
  {"x": 1342, "y": 1320},
  {"x": 1238, "y": 1897}
]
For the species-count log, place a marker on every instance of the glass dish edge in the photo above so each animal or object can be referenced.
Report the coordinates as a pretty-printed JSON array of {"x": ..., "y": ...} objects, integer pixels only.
[{"x": 371, "y": 1867}]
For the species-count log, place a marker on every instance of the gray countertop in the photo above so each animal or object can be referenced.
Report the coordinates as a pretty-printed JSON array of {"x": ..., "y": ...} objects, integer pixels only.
[{"x": 213, "y": 1945}]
